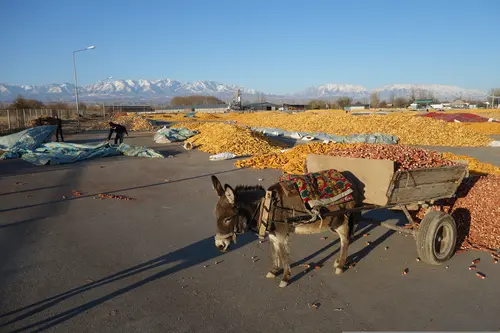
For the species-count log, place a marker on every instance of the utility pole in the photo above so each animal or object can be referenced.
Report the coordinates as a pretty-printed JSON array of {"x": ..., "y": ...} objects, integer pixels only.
[{"x": 76, "y": 83}]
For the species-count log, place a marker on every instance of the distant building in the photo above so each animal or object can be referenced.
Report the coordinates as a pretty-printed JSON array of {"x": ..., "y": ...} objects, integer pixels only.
[
  {"x": 356, "y": 107},
  {"x": 421, "y": 104},
  {"x": 293, "y": 107},
  {"x": 459, "y": 104},
  {"x": 261, "y": 106}
]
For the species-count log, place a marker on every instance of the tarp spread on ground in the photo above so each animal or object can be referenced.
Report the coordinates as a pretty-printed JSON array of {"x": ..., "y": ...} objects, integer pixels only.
[
  {"x": 355, "y": 138},
  {"x": 459, "y": 117},
  {"x": 28, "y": 139},
  {"x": 32, "y": 146},
  {"x": 167, "y": 135}
]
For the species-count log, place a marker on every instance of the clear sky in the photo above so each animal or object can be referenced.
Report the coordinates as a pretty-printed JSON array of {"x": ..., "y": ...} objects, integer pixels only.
[{"x": 274, "y": 46}]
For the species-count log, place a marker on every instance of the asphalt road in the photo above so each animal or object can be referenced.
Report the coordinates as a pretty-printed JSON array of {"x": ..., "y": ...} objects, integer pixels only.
[{"x": 78, "y": 264}]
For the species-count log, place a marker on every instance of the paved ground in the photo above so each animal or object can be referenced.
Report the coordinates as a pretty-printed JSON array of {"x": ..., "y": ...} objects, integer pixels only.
[{"x": 85, "y": 265}]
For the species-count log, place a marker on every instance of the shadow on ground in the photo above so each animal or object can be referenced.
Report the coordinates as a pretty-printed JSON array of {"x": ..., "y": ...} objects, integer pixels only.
[{"x": 189, "y": 256}]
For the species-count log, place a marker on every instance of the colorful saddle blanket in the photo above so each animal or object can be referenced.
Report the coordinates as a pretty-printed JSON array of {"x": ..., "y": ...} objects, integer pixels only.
[{"x": 322, "y": 188}]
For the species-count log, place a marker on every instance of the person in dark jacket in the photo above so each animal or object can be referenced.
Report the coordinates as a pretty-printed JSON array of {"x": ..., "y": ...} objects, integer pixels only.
[
  {"x": 119, "y": 130},
  {"x": 59, "y": 129}
]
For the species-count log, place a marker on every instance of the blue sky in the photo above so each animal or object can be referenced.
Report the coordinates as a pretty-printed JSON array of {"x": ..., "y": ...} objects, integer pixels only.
[{"x": 273, "y": 46}]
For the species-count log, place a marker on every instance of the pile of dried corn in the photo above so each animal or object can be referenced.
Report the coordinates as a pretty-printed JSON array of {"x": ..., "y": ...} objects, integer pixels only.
[
  {"x": 474, "y": 165},
  {"x": 405, "y": 157},
  {"x": 410, "y": 129},
  {"x": 293, "y": 161},
  {"x": 134, "y": 123},
  {"x": 207, "y": 116},
  {"x": 131, "y": 122},
  {"x": 476, "y": 211},
  {"x": 217, "y": 138},
  {"x": 485, "y": 128},
  {"x": 42, "y": 121}
]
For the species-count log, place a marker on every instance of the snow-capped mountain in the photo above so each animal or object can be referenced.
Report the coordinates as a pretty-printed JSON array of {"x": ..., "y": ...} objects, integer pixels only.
[
  {"x": 164, "y": 89},
  {"x": 441, "y": 92},
  {"x": 122, "y": 89},
  {"x": 334, "y": 90}
]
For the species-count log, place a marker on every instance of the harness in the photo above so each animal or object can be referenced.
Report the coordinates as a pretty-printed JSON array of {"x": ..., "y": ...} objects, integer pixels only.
[{"x": 236, "y": 231}]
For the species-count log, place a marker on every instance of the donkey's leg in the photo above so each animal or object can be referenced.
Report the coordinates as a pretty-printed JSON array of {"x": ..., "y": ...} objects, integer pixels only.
[
  {"x": 274, "y": 256},
  {"x": 284, "y": 247},
  {"x": 343, "y": 232}
]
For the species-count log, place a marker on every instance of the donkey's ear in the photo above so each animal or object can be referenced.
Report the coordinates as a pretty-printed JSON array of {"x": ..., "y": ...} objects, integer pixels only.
[
  {"x": 217, "y": 186},
  {"x": 229, "y": 192}
]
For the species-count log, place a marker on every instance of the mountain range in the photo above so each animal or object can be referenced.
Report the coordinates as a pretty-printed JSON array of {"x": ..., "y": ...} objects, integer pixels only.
[{"x": 160, "y": 91}]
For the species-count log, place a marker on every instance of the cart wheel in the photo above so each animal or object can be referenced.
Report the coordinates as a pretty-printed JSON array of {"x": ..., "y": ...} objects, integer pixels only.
[{"x": 436, "y": 238}]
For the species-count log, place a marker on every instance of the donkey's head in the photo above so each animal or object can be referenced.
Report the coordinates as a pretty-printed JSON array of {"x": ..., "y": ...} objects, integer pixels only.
[{"x": 234, "y": 212}]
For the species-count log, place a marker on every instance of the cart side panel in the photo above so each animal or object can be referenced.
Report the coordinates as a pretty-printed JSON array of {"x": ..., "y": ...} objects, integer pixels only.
[
  {"x": 372, "y": 177},
  {"x": 425, "y": 184},
  {"x": 429, "y": 176}
]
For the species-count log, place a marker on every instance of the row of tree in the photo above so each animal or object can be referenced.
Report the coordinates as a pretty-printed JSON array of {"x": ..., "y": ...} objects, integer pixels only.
[
  {"x": 195, "y": 100},
  {"x": 375, "y": 102},
  {"x": 397, "y": 102},
  {"x": 24, "y": 103}
]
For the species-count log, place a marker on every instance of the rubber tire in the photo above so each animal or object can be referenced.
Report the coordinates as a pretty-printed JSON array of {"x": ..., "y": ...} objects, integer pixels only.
[{"x": 426, "y": 235}]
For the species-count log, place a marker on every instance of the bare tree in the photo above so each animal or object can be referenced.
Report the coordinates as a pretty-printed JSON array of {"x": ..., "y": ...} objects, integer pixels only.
[
  {"x": 401, "y": 102},
  {"x": 23, "y": 103},
  {"x": 392, "y": 98},
  {"x": 413, "y": 94},
  {"x": 494, "y": 94},
  {"x": 374, "y": 100},
  {"x": 343, "y": 102},
  {"x": 194, "y": 100}
]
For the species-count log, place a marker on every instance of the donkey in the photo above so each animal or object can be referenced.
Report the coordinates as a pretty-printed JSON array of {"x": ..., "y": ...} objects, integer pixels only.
[{"x": 237, "y": 211}]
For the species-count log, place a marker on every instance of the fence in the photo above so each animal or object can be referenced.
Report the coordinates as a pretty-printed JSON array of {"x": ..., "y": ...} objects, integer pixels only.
[{"x": 14, "y": 119}]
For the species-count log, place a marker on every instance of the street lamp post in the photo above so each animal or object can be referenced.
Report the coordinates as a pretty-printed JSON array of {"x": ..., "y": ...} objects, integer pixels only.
[{"x": 76, "y": 82}]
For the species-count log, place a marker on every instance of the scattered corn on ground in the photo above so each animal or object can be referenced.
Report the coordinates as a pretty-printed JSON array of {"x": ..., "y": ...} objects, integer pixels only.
[
  {"x": 411, "y": 130},
  {"x": 217, "y": 138}
]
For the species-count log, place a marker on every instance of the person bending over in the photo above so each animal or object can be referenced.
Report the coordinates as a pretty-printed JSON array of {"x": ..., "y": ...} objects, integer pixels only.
[{"x": 119, "y": 130}]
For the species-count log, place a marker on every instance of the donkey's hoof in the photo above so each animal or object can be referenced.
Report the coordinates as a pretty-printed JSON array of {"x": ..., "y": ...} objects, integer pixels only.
[
  {"x": 336, "y": 263},
  {"x": 270, "y": 275},
  {"x": 339, "y": 270},
  {"x": 283, "y": 284}
]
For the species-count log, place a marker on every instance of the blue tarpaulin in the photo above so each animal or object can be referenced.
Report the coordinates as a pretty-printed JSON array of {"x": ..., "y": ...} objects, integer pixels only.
[
  {"x": 32, "y": 146},
  {"x": 355, "y": 138},
  {"x": 167, "y": 135}
]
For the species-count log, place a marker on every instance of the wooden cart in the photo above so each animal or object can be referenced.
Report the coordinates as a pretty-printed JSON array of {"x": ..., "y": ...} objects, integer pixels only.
[{"x": 436, "y": 234}]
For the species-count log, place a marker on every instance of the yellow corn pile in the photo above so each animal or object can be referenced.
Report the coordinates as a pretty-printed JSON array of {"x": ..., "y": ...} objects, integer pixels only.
[
  {"x": 291, "y": 161},
  {"x": 207, "y": 116},
  {"x": 474, "y": 165},
  {"x": 485, "y": 128},
  {"x": 134, "y": 123},
  {"x": 411, "y": 130},
  {"x": 217, "y": 138},
  {"x": 131, "y": 122},
  {"x": 180, "y": 117},
  {"x": 172, "y": 117}
]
